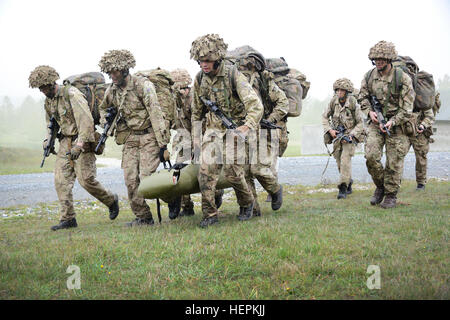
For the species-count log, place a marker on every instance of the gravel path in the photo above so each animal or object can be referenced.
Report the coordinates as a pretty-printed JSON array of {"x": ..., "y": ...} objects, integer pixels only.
[{"x": 28, "y": 189}]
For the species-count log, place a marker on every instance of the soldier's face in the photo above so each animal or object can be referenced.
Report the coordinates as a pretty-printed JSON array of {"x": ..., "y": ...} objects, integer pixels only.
[
  {"x": 116, "y": 76},
  {"x": 341, "y": 93},
  {"x": 381, "y": 64},
  {"x": 48, "y": 90},
  {"x": 206, "y": 66}
]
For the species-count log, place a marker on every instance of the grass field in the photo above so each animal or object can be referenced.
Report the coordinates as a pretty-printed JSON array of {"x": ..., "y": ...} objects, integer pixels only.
[{"x": 315, "y": 247}]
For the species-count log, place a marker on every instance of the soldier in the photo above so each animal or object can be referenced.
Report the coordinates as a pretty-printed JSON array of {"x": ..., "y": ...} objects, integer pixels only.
[
  {"x": 421, "y": 142},
  {"x": 229, "y": 89},
  {"x": 139, "y": 125},
  {"x": 276, "y": 107},
  {"x": 182, "y": 141},
  {"x": 393, "y": 88},
  {"x": 75, "y": 157},
  {"x": 346, "y": 120}
]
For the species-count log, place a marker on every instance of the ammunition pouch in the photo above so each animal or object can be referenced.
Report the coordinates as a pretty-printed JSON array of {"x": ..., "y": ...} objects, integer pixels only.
[
  {"x": 122, "y": 136},
  {"x": 409, "y": 128}
]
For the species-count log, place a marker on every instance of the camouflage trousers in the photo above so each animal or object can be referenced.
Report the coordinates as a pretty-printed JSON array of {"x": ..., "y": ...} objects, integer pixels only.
[
  {"x": 140, "y": 158},
  {"x": 83, "y": 169},
  {"x": 178, "y": 147},
  {"x": 211, "y": 165},
  {"x": 343, "y": 153},
  {"x": 421, "y": 146},
  {"x": 262, "y": 170},
  {"x": 397, "y": 146},
  {"x": 283, "y": 144}
]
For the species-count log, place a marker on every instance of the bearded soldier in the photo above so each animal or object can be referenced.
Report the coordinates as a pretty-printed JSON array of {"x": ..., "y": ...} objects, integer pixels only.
[
  {"x": 182, "y": 141},
  {"x": 75, "y": 157},
  {"x": 139, "y": 125},
  {"x": 345, "y": 130},
  {"x": 393, "y": 90},
  {"x": 228, "y": 88},
  {"x": 276, "y": 107}
]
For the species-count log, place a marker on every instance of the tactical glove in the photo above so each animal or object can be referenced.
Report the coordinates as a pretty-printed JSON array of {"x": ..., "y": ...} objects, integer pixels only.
[{"x": 164, "y": 155}]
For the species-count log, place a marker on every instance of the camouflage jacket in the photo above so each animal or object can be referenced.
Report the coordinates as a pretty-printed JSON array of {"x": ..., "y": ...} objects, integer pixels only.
[
  {"x": 138, "y": 108},
  {"x": 74, "y": 116},
  {"x": 237, "y": 100},
  {"x": 184, "y": 112},
  {"x": 398, "y": 107},
  {"x": 348, "y": 115},
  {"x": 275, "y": 102},
  {"x": 424, "y": 117}
]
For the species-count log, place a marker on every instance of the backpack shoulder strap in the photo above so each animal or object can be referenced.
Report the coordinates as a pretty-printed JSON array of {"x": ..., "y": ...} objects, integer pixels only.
[{"x": 369, "y": 80}]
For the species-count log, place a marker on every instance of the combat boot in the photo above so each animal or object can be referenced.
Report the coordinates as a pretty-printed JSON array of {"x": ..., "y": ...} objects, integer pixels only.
[
  {"x": 141, "y": 222},
  {"x": 65, "y": 224},
  {"x": 246, "y": 213},
  {"x": 420, "y": 187},
  {"x": 277, "y": 199},
  {"x": 206, "y": 222},
  {"x": 256, "y": 210},
  {"x": 174, "y": 208},
  {"x": 114, "y": 208},
  {"x": 389, "y": 201},
  {"x": 378, "y": 196},
  {"x": 342, "y": 191},
  {"x": 349, "y": 188},
  {"x": 218, "y": 198},
  {"x": 187, "y": 212}
]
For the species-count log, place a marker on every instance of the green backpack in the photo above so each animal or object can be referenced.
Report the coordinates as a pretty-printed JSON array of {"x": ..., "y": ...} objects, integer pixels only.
[
  {"x": 291, "y": 81},
  {"x": 163, "y": 83},
  {"x": 92, "y": 85},
  {"x": 423, "y": 83}
]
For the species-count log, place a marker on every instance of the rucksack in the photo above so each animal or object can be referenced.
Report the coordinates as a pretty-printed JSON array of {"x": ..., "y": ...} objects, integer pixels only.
[
  {"x": 423, "y": 83},
  {"x": 92, "y": 85},
  {"x": 291, "y": 81},
  {"x": 163, "y": 83}
]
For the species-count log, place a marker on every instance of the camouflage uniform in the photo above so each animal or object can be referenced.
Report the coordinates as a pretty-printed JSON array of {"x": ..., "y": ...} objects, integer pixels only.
[
  {"x": 183, "y": 124},
  {"x": 276, "y": 107},
  {"x": 421, "y": 143},
  {"x": 347, "y": 114},
  {"x": 71, "y": 111},
  {"x": 235, "y": 97},
  {"x": 140, "y": 126},
  {"x": 398, "y": 108},
  {"x": 288, "y": 79}
]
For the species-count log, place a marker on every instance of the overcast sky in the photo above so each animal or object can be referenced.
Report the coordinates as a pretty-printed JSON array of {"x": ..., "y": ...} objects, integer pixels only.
[{"x": 325, "y": 40}]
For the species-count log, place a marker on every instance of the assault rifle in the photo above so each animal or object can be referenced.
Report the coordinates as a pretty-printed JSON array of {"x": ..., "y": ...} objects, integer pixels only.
[
  {"x": 266, "y": 124},
  {"x": 54, "y": 128},
  {"x": 227, "y": 122},
  {"x": 111, "y": 113},
  {"x": 341, "y": 136},
  {"x": 378, "y": 108}
]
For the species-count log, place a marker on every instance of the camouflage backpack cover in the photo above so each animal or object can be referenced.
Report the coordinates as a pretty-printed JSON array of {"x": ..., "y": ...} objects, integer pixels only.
[
  {"x": 240, "y": 55},
  {"x": 93, "y": 87},
  {"x": 288, "y": 81},
  {"x": 423, "y": 83},
  {"x": 163, "y": 82}
]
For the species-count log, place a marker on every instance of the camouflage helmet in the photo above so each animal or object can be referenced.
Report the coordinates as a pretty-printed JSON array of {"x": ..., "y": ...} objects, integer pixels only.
[
  {"x": 277, "y": 65},
  {"x": 181, "y": 77},
  {"x": 344, "y": 84},
  {"x": 209, "y": 47},
  {"x": 117, "y": 60},
  {"x": 383, "y": 50},
  {"x": 41, "y": 76}
]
